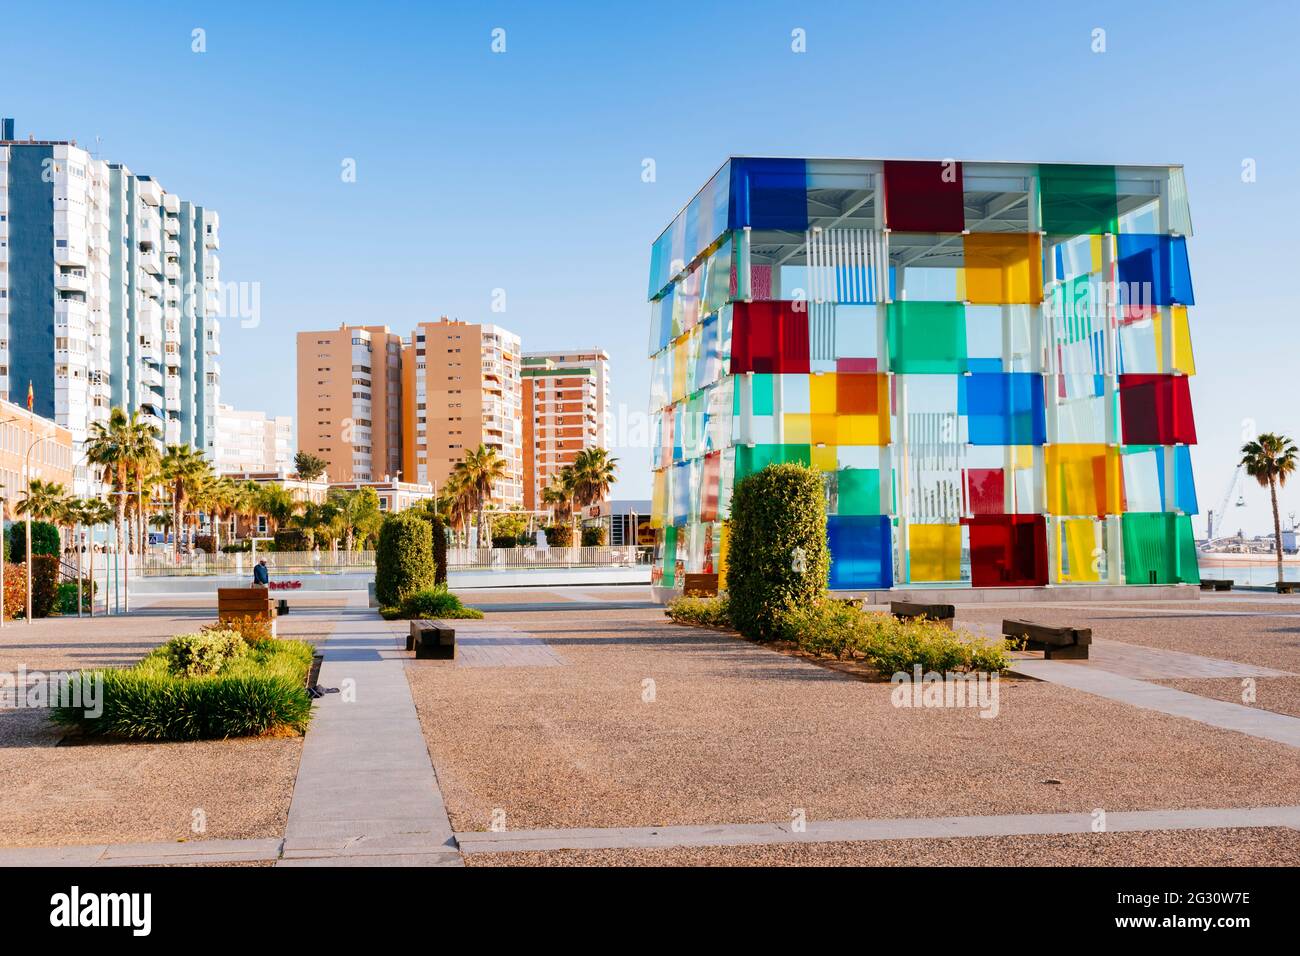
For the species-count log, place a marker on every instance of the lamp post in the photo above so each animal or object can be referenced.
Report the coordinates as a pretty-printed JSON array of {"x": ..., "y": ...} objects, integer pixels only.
[{"x": 27, "y": 475}]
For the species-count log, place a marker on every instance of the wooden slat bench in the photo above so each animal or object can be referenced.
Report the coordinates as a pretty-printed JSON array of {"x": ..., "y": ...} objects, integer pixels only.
[
  {"x": 700, "y": 585},
  {"x": 432, "y": 640},
  {"x": 1056, "y": 643},
  {"x": 236, "y": 603},
  {"x": 910, "y": 611},
  {"x": 1216, "y": 584},
  {"x": 1288, "y": 587}
]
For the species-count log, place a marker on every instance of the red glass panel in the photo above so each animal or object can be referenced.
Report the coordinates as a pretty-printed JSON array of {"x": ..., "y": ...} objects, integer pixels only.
[
  {"x": 769, "y": 337},
  {"x": 986, "y": 487},
  {"x": 1156, "y": 410},
  {"x": 924, "y": 197},
  {"x": 1008, "y": 551},
  {"x": 709, "y": 485}
]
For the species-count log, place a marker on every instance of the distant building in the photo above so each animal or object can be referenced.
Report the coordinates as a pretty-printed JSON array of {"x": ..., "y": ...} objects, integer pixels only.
[
  {"x": 250, "y": 441},
  {"x": 565, "y": 402},
  {"x": 51, "y": 453}
]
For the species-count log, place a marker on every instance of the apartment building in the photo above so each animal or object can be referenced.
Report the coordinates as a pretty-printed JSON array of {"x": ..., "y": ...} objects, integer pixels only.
[
  {"x": 462, "y": 387},
  {"x": 350, "y": 401},
  {"x": 251, "y": 441},
  {"x": 109, "y": 291},
  {"x": 565, "y": 400},
  {"x": 27, "y": 439}
]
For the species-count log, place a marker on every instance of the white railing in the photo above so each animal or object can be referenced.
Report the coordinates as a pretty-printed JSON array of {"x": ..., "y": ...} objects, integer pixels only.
[{"x": 510, "y": 559}]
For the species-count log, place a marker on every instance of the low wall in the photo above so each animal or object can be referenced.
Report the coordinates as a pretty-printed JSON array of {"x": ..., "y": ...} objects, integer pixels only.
[{"x": 1071, "y": 594}]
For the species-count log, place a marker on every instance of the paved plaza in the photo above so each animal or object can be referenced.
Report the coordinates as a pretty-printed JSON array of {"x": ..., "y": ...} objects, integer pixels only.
[{"x": 580, "y": 726}]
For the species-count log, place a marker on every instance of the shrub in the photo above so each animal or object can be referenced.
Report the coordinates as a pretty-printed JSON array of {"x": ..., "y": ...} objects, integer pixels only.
[
  {"x": 404, "y": 560},
  {"x": 291, "y": 540},
  {"x": 45, "y": 583},
  {"x": 260, "y": 691},
  {"x": 434, "y": 602},
  {"x": 706, "y": 612},
  {"x": 777, "y": 559},
  {"x": 558, "y": 535},
  {"x": 45, "y": 540},
  {"x": 593, "y": 536},
  {"x": 15, "y": 596},
  {"x": 253, "y": 630},
  {"x": 66, "y": 601},
  {"x": 205, "y": 543},
  {"x": 204, "y": 653},
  {"x": 238, "y": 547}
]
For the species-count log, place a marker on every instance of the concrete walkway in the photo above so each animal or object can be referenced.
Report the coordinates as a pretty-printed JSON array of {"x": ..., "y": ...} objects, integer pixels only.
[{"x": 366, "y": 793}]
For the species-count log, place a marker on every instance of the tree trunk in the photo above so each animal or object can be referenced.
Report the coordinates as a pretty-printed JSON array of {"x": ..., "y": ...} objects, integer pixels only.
[
  {"x": 178, "y": 518},
  {"x": 1277, "y": 526},
  {"x": 141, "y": 518}
]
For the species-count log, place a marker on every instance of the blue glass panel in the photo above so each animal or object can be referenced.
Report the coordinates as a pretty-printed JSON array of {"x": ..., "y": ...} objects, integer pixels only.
[
  {"x": 661, "y": 322},
  {"x": 769, "y": 194},
  {"x": 1184, "y": 483},
  {"x": 861, "y": 556},
  {"x": 1153, "y": 270},
  {"x": 1004, "y": 408},
  {"x": 681, "y": 484}
]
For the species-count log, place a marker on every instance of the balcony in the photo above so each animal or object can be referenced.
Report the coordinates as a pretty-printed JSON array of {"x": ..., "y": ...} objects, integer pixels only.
[
  {"x": 149, "y": 192},
  {"x": 171, "y": 203},
  {"x": 72, "y": 254},
  {"x": 149, "y": 261},
  {"x": 171, "y": 225},
  {"x": 71, "y": 282},
  {"x": 211, "y": 241},
  {"x": 171, "y": 247}
]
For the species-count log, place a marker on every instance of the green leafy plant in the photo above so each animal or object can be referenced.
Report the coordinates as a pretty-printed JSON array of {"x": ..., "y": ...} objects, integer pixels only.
[
  {"x": 261, "y": 691},
  {"x": 45, "y": 540},
  {"x": 45, "y": 584},
  {"x": 593, "y": 536},
  {"x": 431, "y": 603},
  {"x": 704, "y": 612},
  {"x": 204, "y": 653},
  {"x": 558, "y": 535},
  {"x": 404, "y": 561},
  {"x": 777, "y": 556},
  {"x": 254, "y": 630}
]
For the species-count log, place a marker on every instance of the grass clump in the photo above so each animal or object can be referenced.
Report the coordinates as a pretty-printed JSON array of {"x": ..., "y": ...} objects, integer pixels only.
[
  {"x": 258, "y": 690},
  {"x": 431, "y": 603},
  {"x": 700, "y": 611}
]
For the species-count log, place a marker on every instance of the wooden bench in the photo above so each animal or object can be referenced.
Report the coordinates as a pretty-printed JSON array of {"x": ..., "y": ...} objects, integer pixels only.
[
  {"x": 236, "y": 603},
  {"x": 1288, "y": 587},
  {"x": 1216, "y": 584},
  {"x": 909, "y": 611},
  {"x": 701, "y": 585},
  {"x": 1056, "y": 643},
  {"x": 432, "y": 640}
]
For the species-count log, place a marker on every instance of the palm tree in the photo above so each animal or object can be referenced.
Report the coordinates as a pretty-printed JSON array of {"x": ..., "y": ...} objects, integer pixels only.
[
  {"x": 185, "y": 470},
  {"x": 308, "y": 466},
  {"x": 593, "y": 474},
  {"x": 43, "y": 500},
  {"x": 358, "y": 513},
  {"x": 1270, "y": 459},
  {"x": 114, "y": 445},
  {"x": 558, "y": 494},
  {"x": 146, "y": 463},
  {"x": 95, "y": 512},
  {"x": 478, "y": 471},
  {"x": 277, "y": 503},
  {"x": 247, "y": 502},
  {"x": 221, "y": 495}
]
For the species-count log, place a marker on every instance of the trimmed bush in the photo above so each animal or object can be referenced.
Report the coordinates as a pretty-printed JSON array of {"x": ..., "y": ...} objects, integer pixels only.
[
  {"x": 45, "y": 583},
  {"x": 205, "y": 543},
  {"x": 45, "y": 540},
  {"x": 777, "y": 558},
  {"x": 290, "y": 540},
  {"x": 432, "y": 603},
  {"x": 15, "y": 596},
  {"x": 204, "y": 653},
  {"x": 593, "y": 536},
  {"x": 558, "y": 535},
  {"x": 404, "y": 560},
  {"x": 66, "y": 602},
  {"x": 261, "y": 691},
  {"x": 706, "y": 612}
]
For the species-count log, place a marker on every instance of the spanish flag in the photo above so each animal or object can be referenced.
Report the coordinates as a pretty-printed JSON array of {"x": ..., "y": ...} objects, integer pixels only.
[{"x": 31, "y": 396}]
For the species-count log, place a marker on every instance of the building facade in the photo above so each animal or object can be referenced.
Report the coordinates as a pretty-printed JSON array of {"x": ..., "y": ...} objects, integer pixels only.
[
  {"x": 350, "y": 401},
  {"x": 988, "y": 362},
  {"x": 253, "y": 442},
  {"x": 565, "y": 408},
  {"x": 109, "y": 290},
  {"x": 27, "y": 439},
  {"x": 462, "y": 388}
]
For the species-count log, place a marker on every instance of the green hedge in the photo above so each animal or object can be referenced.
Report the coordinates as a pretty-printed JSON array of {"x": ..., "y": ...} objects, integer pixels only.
[
  {"x": 45, "y": 583},
  {"x": 593, "y": 536},
  {"x": 45, "y": 540},
  {"x": 290, "y": 540},
  {"x": 431, "y": 604},
  {"x": 404, "y": 560},
  {"x": 260, "y": 691},
  {"x": 777, "y": 558}
]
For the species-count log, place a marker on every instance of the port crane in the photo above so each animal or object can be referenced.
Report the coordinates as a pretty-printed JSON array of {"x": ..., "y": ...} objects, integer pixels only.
[{"x": 1234, "y": 487}]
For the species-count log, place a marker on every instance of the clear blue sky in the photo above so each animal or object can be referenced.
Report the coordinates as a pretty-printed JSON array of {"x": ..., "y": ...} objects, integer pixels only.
[{"x": 521, "y": 171}]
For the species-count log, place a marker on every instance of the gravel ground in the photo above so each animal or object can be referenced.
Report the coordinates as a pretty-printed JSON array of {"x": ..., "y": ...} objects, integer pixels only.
[
  {"x": 138, "y": 792},
  {"x": 1244, "y": 847},
  {"x": 1263, "y": 638},
  {"x": 738, "y": 733},
  {"x": 1281, "y": 695}
]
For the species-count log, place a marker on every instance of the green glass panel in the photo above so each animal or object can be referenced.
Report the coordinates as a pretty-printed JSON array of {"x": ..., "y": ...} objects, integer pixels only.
[
  {"x": 670, "y": 557},
  {"x": 927, "y": 337},
  {"x": 859, "y": 491},
  {"x": 763, "y": 387},
  {"x": 1159, "y": 548},
  {"x": 750, "y": 460},
  {"x": 1078, "y": 200}
]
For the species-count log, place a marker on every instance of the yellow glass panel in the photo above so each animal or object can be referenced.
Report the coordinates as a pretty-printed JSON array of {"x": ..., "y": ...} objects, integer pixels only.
[
  {"x": 822, "y": 390},
  {"x": 1080, "y": 536},
  {"x": 659, "y": 499},
  {"x": 862, "y": 430},
  {"x": 1022, "y": 457},
  {"x": 1082, "y": 479},
  {"x": 680, "y": 353},
  {"x": 1183, "y": 360},
  {"x": 1095, "y": 248},
  {"x": 934, "y": 552},
  {"x": 1003, "y": 268},
  {"x": 722, "y": 557},
  {"x": 824, "y": 458},
  {"x": 824, "y": 430},
  {"x": 798, "y": 429}
]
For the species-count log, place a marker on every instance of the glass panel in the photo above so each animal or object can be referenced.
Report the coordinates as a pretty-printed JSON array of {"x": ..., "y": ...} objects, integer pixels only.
[
  {"x": 1077, "y": 199},
  {"x": 934, "y": 552},
  {"x": 927, "y": 337},
  {"x": 1159, "y": 549},
  {"x": 1156, "y": 410},
  {"x": 1008, "y": 551},
  {"x": 985, "y": 491},
  {"x": 754, "y": 458},
  {"x": 1082, "y": 479},
  {"x": 924, "y": 196},
  {"x": 1003, "y": 268},
  {"x": 1153, "y": 270},
  {"x": 1005, "y": 408},
  {"x": 769, "y": 194},
  {"x": 1081, "y": 550},
  {"x": 861, "y": 555},
  {"x": 769, "y": 337}
]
